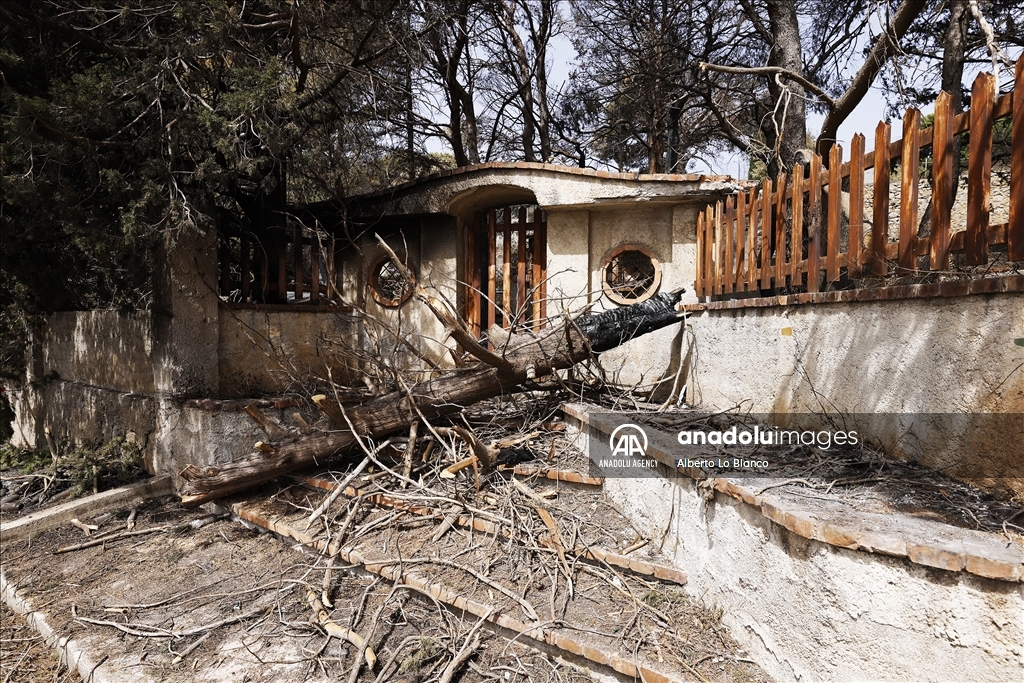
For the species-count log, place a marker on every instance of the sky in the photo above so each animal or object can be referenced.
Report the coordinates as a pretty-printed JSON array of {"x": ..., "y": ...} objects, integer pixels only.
[{"x": 863, "y": 119}]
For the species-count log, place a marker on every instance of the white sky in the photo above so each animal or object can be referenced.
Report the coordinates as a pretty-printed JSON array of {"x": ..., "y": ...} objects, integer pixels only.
[{"x": 864, "y": 118}]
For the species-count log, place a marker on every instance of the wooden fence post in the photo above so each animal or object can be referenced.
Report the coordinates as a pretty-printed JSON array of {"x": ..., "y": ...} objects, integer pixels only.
[
  {"x": 698, "y": 283},
  {"x": 880, "y": 205},
  {"x": 942, "y": 182},
  {"x": 741, "y": 239},
  {"x": 835, "y": 208},
  {"x": 796, "y": 235},
  {"x": 979, "y": 170},
  {"x": 1015, "y": 235},
  {"x": 730, "y": 238},
  {"x": 779, "y": 218},
  {"x": 765, "y": 277},
  {"x": 856, "y": 245},
  {"x": 814, "y": 213},
  {"x": 910, "y": 176}
]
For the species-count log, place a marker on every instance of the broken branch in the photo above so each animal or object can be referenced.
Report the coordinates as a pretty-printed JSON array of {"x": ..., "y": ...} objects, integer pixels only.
[{"x": 384, "y": 415}]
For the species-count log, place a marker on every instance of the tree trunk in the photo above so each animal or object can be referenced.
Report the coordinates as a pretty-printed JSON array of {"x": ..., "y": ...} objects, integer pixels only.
[
  {"x": 953, "y": 54},
  {"x": 524, "y": 358},
  {"x": 786, "y": 131}
]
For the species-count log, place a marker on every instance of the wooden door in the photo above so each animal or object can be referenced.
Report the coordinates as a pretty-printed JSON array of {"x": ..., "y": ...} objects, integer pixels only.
[{"x": 506, "y": 268}]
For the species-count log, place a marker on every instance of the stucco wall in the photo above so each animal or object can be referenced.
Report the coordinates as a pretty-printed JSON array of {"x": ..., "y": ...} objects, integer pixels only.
[
  {"x": 650, "y": 363},
  {"x": 568, "y": 265},
  {"x": 274, "y": 351},
  {"x": 810, "y": 611},
  {"x": 907, "y": 357},
  {"x": 89, "y": 379},
  {"x": 200, "y": 437},
  {"x": 103, "y": 348},
  {"x": 431, "y": 246}
]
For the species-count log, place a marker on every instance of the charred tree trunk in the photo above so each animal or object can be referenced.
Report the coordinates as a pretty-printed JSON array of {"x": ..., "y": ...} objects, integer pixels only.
[{"x": 518, "y": 358}]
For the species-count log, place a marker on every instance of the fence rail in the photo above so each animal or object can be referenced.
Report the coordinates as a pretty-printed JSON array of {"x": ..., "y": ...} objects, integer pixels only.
[
  {"x": 790, "y": 232},
  {"x": 288, "y": 265}
]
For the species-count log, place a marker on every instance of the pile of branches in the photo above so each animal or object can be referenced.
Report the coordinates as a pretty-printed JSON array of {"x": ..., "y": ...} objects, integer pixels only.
[{"x": 505, "y": 362}]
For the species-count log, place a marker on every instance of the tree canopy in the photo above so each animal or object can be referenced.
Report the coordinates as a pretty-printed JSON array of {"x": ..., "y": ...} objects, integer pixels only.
[{"x": 126, "y": 120}]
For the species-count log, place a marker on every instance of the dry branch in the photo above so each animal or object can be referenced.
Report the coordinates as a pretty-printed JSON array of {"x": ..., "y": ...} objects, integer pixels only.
[
  {"x": 335, "y": 631},
  {"x": 106, "y": 538}
]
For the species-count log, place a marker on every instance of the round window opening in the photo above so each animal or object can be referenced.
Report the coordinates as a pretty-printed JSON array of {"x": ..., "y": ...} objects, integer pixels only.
[
  {"x": 631, "y": 274},
  {"x": 388, "y": 286}
]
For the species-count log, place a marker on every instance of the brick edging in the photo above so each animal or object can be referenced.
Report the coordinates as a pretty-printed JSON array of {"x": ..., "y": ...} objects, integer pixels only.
[{"x": 991, "y": 285}]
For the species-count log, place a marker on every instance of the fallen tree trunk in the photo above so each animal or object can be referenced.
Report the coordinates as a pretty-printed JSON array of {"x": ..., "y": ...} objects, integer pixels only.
[{"x": 516, "y": 359}]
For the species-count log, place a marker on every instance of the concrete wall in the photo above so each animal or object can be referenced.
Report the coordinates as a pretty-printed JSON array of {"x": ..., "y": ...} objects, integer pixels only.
[
  {"x": 274, "y": 351},
  {"x": 669, "y": 231},
  {"x": 915, "y": 356},
  {"x": 89, "y": 379},
  {"x": 431, "y": 246},
  {"x": 102, "y": 348},
  {"x": 810, "y": 611},
  {"x": 209, "y": 438}
]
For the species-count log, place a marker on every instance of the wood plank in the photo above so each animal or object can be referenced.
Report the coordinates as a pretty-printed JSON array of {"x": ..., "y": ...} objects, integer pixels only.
[
  {"x": 492, "y": 268},
  {"x": 719, "y": 249},
  {"x": 741, "y": 238},
  {"x": 835, "y": 208},
  {"x": 979, "y": 170},
  {"x": 698, "y": 282},
  {"x": 314, "y": 271},
  {"x": 521, "y": 309},
  {"x": 709, "y": 249},
  {"x": 942, "y": 182},
  {"x": 814, "y": 231},
  {"x": 779, "y": 219},
  {"x": 996, "y": 237},
  {"x": 1015, "y": 234},
  {"x": 297, "y": 254},
  {"x": 878, "y": 265},
  {"x": 765, "y": 272},
  {"x": 910, "y": 175},
  {"x": 540, "y": 232},
  {"x": 752, "y": 240},
  {"x": 797, "y": 232},
  {"x": 730, "y": 238},
  {"x": 225, "y": 265},
  {"x": 246, "y": 268},
  {"x": 535, "y": 277},
  {"x": 856, "y": 206},
  {"x": 471, "y": 272},
  {"x": 506, "y": 268}
]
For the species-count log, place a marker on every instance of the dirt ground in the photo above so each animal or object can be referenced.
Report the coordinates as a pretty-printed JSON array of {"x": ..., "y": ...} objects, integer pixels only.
[
  {"x": 206, "y": 598},
  {"x": 24, "y": 656}
]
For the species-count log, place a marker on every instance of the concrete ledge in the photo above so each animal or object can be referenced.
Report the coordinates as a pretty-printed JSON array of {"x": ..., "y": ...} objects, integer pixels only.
[
  {"x": 798, "y": 591},
  {"x": 921, "y": 541},
  {"x": 63, "y": 513}
]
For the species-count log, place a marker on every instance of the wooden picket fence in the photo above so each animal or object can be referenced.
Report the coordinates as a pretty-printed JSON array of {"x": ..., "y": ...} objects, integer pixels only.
[{"x": 762, "y": 240}]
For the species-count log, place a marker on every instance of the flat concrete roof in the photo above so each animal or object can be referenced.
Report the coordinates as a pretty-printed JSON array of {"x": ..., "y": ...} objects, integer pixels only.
[{"x": 463, "y": 190}]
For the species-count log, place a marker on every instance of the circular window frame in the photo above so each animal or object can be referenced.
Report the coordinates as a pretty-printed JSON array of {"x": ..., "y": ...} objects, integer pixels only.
[
  {"x": 373, "y": 284},
  {"x": 619, "y": 251}
]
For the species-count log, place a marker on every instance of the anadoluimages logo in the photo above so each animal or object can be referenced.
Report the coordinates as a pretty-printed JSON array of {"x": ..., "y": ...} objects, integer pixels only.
[{"x": 628, "y": 441}]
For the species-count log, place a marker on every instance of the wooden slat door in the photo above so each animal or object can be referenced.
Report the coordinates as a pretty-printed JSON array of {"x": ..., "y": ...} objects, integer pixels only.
[{"x": 506, "y": 262}]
